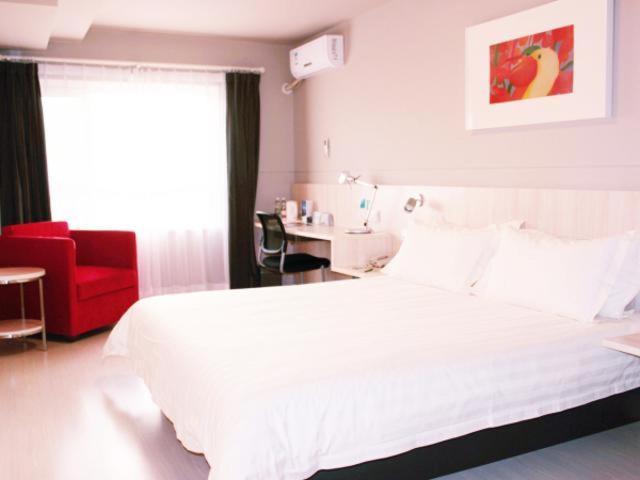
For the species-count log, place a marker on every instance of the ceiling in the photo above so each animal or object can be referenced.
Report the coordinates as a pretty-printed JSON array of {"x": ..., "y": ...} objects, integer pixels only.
[
  {"x": 277, "y": 20},
  {"x": 32, "y": 23}
]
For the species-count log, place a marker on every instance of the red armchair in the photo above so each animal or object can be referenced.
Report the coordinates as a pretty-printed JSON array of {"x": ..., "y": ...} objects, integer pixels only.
[{"x": 91, "y": 276}]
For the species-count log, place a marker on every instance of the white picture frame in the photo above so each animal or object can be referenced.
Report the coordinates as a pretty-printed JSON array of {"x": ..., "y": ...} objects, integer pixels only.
[{"x": 592, "y": 82}]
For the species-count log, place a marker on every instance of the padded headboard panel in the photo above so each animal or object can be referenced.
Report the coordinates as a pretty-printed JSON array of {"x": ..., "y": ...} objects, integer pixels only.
[{"x": 566, "y": 213}]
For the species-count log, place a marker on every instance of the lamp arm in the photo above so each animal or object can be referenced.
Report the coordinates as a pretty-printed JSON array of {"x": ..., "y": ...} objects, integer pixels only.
[
  {"x": 373, "y": 199},
  {"x": 357, "y": 181}
]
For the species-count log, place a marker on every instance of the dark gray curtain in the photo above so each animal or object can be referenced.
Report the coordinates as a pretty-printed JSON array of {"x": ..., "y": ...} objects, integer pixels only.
[
  {"x": 243, "y": 150},
  {"x": 24, "y": 184}
]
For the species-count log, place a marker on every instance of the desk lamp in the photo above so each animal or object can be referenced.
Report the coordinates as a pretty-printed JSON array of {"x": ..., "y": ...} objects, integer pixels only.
[{"x": 348, "y": 179}]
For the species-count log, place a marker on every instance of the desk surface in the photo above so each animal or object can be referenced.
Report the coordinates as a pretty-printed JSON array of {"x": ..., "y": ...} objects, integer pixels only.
[{"x": 323, "y": 232}]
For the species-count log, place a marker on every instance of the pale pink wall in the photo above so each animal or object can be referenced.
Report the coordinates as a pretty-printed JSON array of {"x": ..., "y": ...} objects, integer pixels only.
[
  {"x": 276, "y": 158},
  {"x": 396, "y": 111}
]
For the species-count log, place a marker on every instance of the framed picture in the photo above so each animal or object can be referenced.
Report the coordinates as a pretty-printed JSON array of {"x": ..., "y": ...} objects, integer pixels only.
[{"x": 548, "y": 64}]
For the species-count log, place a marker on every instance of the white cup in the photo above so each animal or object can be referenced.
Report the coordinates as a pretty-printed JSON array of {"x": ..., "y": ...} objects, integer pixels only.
[
  {"x": 326, "y": 219},
  {"x": 292, "y": 211}
]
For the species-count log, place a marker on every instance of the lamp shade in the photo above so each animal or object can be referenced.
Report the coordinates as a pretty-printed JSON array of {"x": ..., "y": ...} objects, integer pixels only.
[
  {"x": 345, "y": 177},
  {"x": 413, "y": 202}
]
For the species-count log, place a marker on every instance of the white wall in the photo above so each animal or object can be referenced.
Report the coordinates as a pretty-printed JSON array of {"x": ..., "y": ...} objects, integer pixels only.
[{"x": 396, "y": 111}]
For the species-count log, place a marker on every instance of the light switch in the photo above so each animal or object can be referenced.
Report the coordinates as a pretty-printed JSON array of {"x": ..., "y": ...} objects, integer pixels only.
[{"x": 326, "y": 147}]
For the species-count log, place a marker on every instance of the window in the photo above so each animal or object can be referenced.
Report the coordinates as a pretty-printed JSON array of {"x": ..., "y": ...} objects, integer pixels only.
[{"x": 143, "y": 149}]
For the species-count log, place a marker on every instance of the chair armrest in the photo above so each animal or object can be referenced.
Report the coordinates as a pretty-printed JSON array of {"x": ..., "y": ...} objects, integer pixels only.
[
  {"x": 114, "y": 249},
  {"x": 56, "y": 255}
]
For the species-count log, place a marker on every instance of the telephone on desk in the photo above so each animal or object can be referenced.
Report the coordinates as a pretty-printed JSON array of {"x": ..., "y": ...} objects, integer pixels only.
[{"x": 377, "y": 263}]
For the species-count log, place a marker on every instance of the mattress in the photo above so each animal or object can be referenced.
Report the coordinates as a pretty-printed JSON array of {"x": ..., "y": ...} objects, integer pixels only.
[{"x": 278, "y": 383}]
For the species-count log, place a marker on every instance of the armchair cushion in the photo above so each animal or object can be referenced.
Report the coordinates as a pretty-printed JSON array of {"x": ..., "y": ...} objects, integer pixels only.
[
  {"x": 93, "y": 281},
  {"x": 37, "y": 229}
]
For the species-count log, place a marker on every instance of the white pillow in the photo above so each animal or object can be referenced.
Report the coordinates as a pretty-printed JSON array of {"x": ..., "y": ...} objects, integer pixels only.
[
  {"x": 627, "y": 284},
  {"x": 444, "y": 256},
  {"x": 571, "y": 278}
]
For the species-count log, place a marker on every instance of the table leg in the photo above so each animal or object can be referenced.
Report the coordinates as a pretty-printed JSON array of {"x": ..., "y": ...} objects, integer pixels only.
[
  {"x": 23, "y": 340},
  {"x": 22, "y": 314},
  {"x": 44, "y": 329}
]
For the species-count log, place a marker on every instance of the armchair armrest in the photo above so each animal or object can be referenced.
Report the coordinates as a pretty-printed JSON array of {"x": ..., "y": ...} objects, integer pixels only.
[
  {"x": 56, "y": 255},
  {"x": 53, "y": 253},
  {"x": 116, "y": 249}
]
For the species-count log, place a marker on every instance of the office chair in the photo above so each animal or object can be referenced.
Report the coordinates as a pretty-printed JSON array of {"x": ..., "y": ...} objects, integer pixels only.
[{"x": 273, "y": 251}]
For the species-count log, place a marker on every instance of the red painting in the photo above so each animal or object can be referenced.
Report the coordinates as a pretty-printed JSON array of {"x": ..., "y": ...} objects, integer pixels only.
[{"x": 538, "y": 65}]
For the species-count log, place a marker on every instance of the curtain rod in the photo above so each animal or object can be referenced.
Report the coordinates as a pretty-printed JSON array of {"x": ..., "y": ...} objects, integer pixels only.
[{"x": 115, "y": 63}]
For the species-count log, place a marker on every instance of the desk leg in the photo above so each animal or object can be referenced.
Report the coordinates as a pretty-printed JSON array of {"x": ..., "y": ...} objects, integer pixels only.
[{"x": 44, "y": 328}]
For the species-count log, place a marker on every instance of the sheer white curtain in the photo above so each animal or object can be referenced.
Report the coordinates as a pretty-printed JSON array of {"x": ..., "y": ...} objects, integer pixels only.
[{"x": 143, "y": 150}]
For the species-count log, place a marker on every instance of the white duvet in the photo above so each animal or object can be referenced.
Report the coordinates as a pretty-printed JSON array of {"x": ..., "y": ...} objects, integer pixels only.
[{"x": 278, "y": 383}]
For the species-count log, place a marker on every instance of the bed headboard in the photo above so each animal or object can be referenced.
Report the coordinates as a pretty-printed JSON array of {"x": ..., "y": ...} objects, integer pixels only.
[{"x": 566, "y": 213}]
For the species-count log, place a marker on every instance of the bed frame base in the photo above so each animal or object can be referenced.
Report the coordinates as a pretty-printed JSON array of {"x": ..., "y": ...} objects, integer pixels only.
[{"x": 490, "y": 445}]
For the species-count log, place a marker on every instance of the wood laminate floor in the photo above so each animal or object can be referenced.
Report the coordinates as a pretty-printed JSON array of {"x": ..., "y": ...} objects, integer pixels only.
[{"x": 64, "y": 415}]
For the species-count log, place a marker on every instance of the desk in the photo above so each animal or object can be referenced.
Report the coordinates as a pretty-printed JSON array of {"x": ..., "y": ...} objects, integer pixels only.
[
  {"x": 314, "y": 232},
  {"x": 349, "y": 252}
]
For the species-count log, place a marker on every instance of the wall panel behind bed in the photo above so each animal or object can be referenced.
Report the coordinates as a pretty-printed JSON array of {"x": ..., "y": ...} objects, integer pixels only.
[{"x": 566, "y": 213}]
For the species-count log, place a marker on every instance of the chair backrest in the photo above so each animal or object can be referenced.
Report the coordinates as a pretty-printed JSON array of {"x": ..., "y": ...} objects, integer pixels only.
[
  {"x": 37, "y": 229},
  {"x": 274, "y": 236}
]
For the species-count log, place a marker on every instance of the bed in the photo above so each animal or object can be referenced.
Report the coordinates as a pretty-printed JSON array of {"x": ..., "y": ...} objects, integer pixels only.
[{"x": 291, "y": 383}]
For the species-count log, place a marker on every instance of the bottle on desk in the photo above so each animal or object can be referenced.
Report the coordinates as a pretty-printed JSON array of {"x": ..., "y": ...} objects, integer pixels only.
[{"x": 306, "y": 211}]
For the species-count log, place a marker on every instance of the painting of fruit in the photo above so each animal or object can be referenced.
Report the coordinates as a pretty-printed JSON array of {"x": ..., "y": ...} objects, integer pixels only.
[{"x": 538, "y": 65}]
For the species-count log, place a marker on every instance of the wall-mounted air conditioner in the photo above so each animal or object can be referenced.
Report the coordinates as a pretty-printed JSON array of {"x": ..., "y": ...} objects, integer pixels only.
[{"x": 323, "y": 53}]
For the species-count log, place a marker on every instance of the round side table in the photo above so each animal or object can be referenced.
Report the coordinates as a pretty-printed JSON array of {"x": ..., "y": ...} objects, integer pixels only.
[{"x": 23, "y": 327}]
